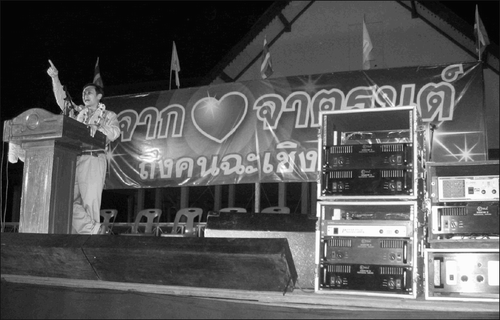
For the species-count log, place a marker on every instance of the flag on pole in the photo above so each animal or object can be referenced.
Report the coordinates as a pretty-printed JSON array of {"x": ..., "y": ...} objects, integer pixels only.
[
  {"x": 97, "y": 75},
  {"x": 266, "y": 67},
  {"x": 482, "y": 39},
  {"x": 175, "y": 65},
  {"x": 367, "y": 47}
]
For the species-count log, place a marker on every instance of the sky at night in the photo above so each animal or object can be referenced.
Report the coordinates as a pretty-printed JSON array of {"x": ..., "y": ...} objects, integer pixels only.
[{"x": 133, "y": 41}]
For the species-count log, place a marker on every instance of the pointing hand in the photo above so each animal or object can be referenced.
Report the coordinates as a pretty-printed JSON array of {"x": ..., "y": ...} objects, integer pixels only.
[{"x": 52, "y": 70}]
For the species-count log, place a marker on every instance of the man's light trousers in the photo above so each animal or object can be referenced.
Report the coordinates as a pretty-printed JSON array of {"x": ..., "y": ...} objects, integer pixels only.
[{"x": 89, "y": 183}]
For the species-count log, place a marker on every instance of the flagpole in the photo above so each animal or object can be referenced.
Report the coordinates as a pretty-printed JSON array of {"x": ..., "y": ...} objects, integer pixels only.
[
  {"x": 170, "y": 80},
  {"x": 367, "y": 47},
  {"x": 97, "y": 74},
  {"x": 266, "y": 66},
  {"x": 476, "y": 31},
  {"x": 478, "y": 45},
  {"x": 175, "y": 66},
  {"x": 481, "y": 35}
]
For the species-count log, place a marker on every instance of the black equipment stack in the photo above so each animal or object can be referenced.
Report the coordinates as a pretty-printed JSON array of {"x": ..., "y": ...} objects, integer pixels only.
[
  {"x": 392, "y": 224},
  {"x": 370, "y": 208},
  {"x": 462, "y": 240}
]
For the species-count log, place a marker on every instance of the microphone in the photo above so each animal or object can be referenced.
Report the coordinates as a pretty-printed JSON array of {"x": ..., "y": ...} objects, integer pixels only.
[
  {"x": 68, "y": 96},
  {"x": 68, "y": 102}
]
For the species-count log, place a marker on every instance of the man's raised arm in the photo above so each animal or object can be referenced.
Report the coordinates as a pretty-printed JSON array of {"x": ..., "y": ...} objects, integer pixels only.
[{"x": 56, "y": 85}]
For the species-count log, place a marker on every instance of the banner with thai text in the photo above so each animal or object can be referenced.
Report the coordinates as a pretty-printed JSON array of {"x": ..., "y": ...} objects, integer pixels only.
[{"x": 267, "y": 130}]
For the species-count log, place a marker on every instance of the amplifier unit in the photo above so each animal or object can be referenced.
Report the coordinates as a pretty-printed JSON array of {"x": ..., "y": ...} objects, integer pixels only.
[
  {"x": 372, "y": 248},
  {"x": 394, "y": 251},
  {"x": 462, "y": 205},
  {"x": 365, "y": 277},
  {"x": 471, "y": 218},
  {"x": 472, "y": 188},
  {"x": 450, "y": 182},
  {"x": 380, "y": 182},
  {"x": 367, "y": 219},
  {"x": 370, "y": 153},
  {"x": 366, "y": 211},
  {"x": 367, "y": 229},
  {"x": 394, "y": 155},
  {"x": 462, "y": 275}
]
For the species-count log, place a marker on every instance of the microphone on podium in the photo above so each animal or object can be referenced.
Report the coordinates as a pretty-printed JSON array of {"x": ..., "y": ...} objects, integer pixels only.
[{"x": 68, "y": 102}]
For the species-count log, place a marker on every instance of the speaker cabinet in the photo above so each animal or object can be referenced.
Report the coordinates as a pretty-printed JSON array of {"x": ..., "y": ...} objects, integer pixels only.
[{"x": 226, "y": 263}]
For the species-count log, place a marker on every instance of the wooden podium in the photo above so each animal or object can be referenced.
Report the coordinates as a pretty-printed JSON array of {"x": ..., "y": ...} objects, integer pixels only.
[{"x": 52, "y": 143}]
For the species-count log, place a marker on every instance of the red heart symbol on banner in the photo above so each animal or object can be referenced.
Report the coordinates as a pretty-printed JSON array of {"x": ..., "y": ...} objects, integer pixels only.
[{"x": 219, "y": 119}]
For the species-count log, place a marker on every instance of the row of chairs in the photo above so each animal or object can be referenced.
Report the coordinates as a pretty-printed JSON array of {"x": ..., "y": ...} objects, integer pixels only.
[
  {"x": 152, "y": 215},
  {"x": 188, "y": 214}
]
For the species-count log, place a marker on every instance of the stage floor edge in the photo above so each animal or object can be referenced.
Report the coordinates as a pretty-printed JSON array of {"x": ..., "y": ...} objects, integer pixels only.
[{"x": 297, "y": 298}]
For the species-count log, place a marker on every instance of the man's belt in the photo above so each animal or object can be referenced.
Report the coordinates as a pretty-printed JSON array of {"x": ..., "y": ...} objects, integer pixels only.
[{"x": 92, "y": 153}]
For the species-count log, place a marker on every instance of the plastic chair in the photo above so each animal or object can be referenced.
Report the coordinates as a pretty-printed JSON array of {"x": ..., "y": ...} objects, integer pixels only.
[
  {"x": 276, "y": 210},
  {"x": 150, "y": 215},
  {"x": 233, "y": 209},
  {"x": 190, "y": 214},
  {"x": 107, "y": 214}
]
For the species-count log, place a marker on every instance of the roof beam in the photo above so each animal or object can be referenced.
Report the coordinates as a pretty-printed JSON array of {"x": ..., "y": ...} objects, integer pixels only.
[
  {"x": 287, "y": 25},
  {"x": 414, "y": 13},
  {"x": 225, "y": 77}
]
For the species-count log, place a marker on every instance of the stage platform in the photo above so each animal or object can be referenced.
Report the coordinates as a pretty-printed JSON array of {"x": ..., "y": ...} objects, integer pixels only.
[
  {"x": 75, "y": 276},
  {"x": 72, "y": 298}
]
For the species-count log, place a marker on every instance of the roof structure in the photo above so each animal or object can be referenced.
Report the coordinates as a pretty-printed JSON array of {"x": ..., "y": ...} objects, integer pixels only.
[
  {"x": 312, "y": 37},
  {"x": 433, "y": 13}
]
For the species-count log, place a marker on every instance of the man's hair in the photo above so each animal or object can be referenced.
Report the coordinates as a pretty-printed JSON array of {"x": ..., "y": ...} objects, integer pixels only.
[{"x": 98, "y": 89}]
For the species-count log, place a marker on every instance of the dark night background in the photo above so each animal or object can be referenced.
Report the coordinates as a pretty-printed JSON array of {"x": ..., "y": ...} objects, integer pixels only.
[{"x": 133, "y": 41}]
